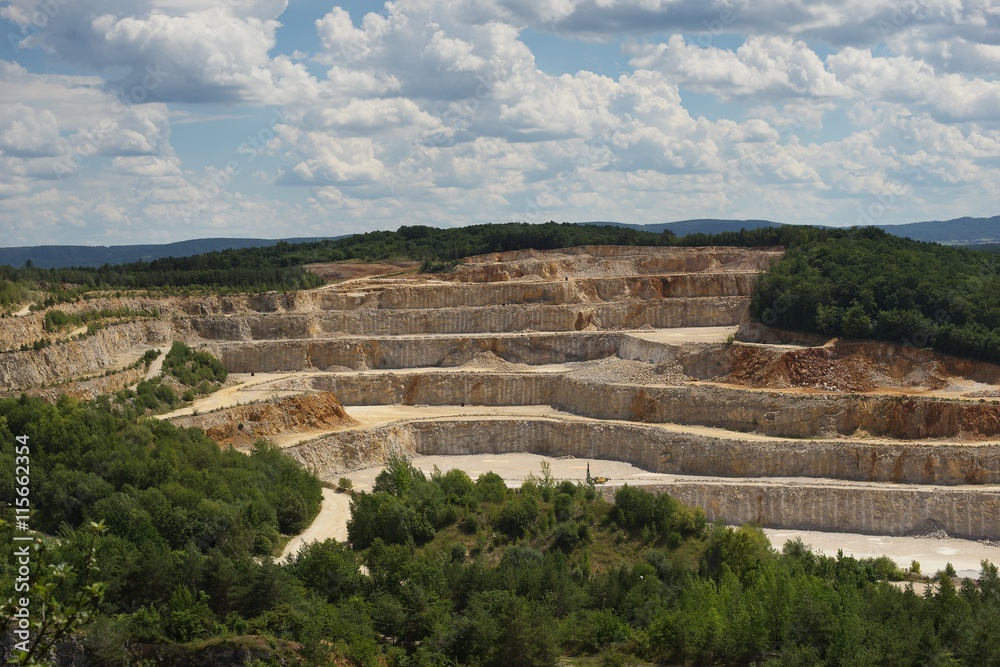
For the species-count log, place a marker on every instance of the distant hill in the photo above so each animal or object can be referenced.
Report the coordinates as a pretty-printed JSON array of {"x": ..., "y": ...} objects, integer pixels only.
[
  {"x": 63, "y": 256},
  {"x": 703, "y": 225},
  {"x": 960, "y": 231}
]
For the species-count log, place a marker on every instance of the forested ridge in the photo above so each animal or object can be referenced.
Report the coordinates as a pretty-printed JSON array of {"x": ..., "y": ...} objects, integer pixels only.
[
  {"x": 279, "y": 267},
  {"x": 456, "y": 571},
  {"x": 865, "y": 283}
]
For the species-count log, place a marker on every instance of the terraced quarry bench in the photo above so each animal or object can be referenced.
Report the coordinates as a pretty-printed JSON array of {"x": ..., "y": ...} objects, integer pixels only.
[{"x": 624, "y": 354}]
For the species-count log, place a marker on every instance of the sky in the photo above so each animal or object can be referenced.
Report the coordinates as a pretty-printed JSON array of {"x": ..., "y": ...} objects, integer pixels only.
[{"x": 151, "y": 121}]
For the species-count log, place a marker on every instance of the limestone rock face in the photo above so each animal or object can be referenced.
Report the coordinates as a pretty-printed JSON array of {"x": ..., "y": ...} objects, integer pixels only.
[
  {"x": 74, "y": 358},
  {"x": 814, "y": 502}
]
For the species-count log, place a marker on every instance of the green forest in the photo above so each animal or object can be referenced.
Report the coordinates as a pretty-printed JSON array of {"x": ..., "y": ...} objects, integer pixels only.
[
  {"x": 456, "y": 571},
  {"x": 865, "y": 283}
]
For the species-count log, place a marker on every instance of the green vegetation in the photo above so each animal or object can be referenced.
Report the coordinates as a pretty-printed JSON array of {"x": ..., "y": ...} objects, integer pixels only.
[
  {"x": 149, "y": 396},
  {"x": 859, "y": 282},
  {"x": 458, "y": 572},
  {"x": 189, "y": 527},
  {"x": 197, "y": 373},
  {"x": 279, "y": 267},
  {"x": 199, "y": 370},
  {"x": 56, "y": 319},
  {"x": 15, "y": 292},
  {"x": 865, "y": 283}
]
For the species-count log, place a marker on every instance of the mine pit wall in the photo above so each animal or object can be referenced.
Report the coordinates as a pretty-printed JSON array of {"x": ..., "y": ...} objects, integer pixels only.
[
  {"x": 850, "y": 509},
  {"x": 90, "y": 354},
  {"x": 662, "y": 451},
  {"x": 611, "y": 260},
  {"x": 577, "y": 291},
  {"x": 782, "y": 415},
  {"x": 662, "y": 313},
  {"x": 398, "y": 352},
  {"x": 331, "y": 455},
  {"x": 405, "y": 352},
  {"x": 888, "y": 510}
]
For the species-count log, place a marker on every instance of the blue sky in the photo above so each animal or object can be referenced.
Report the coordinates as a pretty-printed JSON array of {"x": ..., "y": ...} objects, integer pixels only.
[{"x": 161, "y": 120}]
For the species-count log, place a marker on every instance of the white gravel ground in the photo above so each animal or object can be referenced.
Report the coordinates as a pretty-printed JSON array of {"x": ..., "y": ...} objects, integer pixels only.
[{"x": 932, "y": 553}]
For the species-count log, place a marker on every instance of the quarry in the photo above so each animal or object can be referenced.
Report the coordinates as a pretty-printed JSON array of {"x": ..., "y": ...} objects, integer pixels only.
[{"x": 643, "y": 356}]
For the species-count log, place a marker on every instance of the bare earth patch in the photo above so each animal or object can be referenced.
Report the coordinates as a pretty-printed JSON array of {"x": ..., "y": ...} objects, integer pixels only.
[{"x": 340, "y": 271}]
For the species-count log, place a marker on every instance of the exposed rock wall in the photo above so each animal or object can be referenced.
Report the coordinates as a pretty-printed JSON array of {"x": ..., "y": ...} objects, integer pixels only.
[
  {"x": 443, "y": 388},
  {"x": 86, "y": 390},
  {"x": 402, "y": 296},
  {"x": 849, "y": 509},
  {"x": 662, "y": 313},
  {"x": 331, "y": 455},
  {"x": 665, "y": 451},
  {"x": 74, "y": 358},
  {"x": 610, "y": 261},
  {"x": 775, "y": 414},
  {"x": 241, "y": 426},
  {"x": 892, "y": 509},
  {"x": 409, "y": 352}
]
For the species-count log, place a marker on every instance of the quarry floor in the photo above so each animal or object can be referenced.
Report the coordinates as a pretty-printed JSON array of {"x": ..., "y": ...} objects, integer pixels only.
[{"x": 933, "y": 553}]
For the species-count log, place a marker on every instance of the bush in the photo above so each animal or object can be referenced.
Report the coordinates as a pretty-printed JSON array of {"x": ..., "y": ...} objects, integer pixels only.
[{"x": 517, "y": 516}]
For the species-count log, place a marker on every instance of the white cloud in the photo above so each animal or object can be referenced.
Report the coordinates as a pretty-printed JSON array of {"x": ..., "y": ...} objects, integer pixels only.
[
  {"x": 437, "y": 111},
  {"x": 913, "y": 82},
  {"x": 26, "y": 132},
  {"x": 768, "y": 66},
  {"x": 166, "y": 51}
]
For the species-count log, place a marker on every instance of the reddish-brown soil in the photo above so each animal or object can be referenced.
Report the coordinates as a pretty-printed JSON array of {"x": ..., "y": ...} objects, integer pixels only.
[
  {"x": 243, "y": 425},
  {"x": 339, "y": 271},
  {"x": 854, "y": 367}
]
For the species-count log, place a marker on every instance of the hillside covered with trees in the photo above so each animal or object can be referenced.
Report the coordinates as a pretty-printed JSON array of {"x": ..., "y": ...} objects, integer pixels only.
[
  {"x": 279, "y": 267},
  {"x": 865, "y": 283},
  {"x": 857, "y": 282},
  {"x": 456, "y": 571}
]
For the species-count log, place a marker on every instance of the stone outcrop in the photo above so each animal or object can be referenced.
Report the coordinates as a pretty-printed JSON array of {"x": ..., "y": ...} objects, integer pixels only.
[
  {"x": 970, "y": 514},
  {"x": 243, "y": 425},
  {"x": 83, "y": 356},
  {"x": 812, "y": 502}
]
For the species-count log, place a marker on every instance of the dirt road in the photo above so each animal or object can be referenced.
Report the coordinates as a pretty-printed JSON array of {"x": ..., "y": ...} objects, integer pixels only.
[{"x": 331, "y": 522}]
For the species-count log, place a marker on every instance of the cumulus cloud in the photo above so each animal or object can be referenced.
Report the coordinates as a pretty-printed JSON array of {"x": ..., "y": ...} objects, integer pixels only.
[
  {"x": 165, "y": 51},
  {"x": 26, "y": 132},
  {"x": 768, "y": 66},
  {"x": 914, "y": 82},
  {"x": 437, "y": 111}
]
